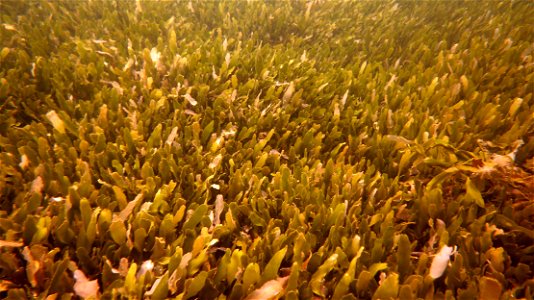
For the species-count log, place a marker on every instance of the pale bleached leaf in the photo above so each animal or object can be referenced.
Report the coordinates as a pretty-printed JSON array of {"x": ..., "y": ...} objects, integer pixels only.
[
  {"x": 216, "y": 161},
  {"x": 227, "y": 59},
  {"x": 153, "y": 288},
  {"x": 303, "y": 57},
  {"x": 128, "y": 64},
  {"x": 213, "y": 74},
  {"x": 272, "y": 289},
  {"x": 85, "y": 288},
  {"x": 225, "y": 44},
  {"x": 145, "y": 206},
  {"x": 24, "y": 161},
  {"x": 10, "y": 244},
  {"x": 190, "y": 112},
  {"x": 104, "y": 53},
  {"x": 190, "y": 99},
  {"x": 32, "y": 266},
  {"x": 289, "y": 92},
  {"x": 9, "y": 27},
  {"x": 440, "y": 261},
  {"x": 56, "y": 121},
  {"x": 127, "y": 211},
  {"x": 155, "y": 55},
  {"x": 185, "y": 260},
  {"x": 172, "y": 136},
  {"x": 219, "y": 206},
  {"x": 344, "y": 99},
  {"x": 37, "y": 185},
  {"x": 146, "y": 266}
]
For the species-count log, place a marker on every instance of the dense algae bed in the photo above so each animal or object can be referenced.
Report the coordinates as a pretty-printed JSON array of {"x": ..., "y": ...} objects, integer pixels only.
[{"x": 231, "y": 150}]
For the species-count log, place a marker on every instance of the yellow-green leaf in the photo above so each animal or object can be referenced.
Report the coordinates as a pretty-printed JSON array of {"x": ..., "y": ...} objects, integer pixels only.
[
  {"x": 271, "y": 269},
  {"x": 117, "y": 231},
  {"x": 472, "y": 193}
]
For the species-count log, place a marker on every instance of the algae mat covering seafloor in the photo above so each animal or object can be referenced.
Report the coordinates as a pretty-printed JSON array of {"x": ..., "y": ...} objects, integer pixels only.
[{"x": 266, "y": 149}]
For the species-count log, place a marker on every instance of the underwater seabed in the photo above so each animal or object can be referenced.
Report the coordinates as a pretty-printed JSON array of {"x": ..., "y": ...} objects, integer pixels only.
[{"x": 266, "y": 150}]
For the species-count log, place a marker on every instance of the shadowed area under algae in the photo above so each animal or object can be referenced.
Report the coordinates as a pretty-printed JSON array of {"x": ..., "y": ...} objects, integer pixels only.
[{"x": 266, "y": 150}]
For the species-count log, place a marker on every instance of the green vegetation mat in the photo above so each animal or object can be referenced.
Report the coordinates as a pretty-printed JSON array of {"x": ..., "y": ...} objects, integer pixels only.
[{"x": 266, "y": 150}]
